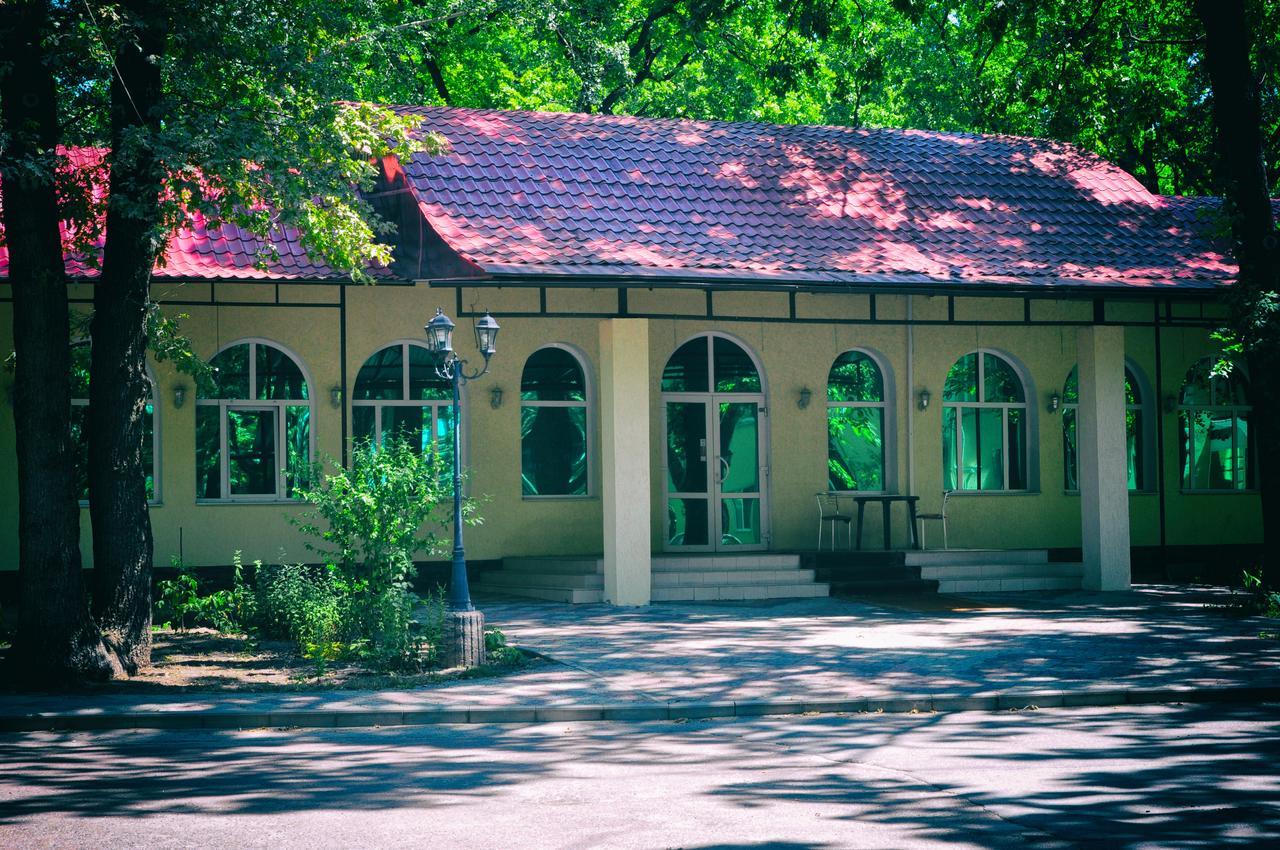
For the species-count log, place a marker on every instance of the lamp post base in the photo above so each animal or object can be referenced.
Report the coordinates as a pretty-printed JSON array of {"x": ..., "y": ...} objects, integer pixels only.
[{"x": 463, "y": 639}]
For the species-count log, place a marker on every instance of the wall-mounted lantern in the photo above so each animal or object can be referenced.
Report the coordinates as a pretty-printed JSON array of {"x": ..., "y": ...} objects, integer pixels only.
[
  {"x": 179, "y": 395},
  {"x": 495, "y": 397},
  {"x": 803, "y": 400},
  {"x": 1170, "y": 403},
  {"x": 923, "y": 399},
  {"x": 1055, "y": 401},
  {"x": 335, "y": 396}
]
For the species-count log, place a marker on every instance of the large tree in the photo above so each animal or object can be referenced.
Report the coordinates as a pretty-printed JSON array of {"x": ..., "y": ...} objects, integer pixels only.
[
  {"x": 56, "y": 640},
  {"x": 230, "y": 112},
  {"x": 1255, "y": 298}
]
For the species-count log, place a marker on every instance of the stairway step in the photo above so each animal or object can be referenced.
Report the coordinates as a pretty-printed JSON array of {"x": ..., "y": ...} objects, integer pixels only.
[
  {"x": 933, "y": 557},
  {"x": 871, "y": 587},
  {"x": 554, "y": 565},
  {"x": 879, "y": 573},
  {"x": 721, "y": 563},
  {"x": 578, "y": 596},
  {"x": 694, "y": 578},
  {"x": 991, "y": 585},
  {"x": 1002, "y": 571},
  {"x": 504, "y": 578},
  {"x": 734, "y": 592}
]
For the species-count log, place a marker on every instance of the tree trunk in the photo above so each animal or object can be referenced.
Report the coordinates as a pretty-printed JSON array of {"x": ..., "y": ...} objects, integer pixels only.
[
  {"x": 1242, "y": 174},
  {"x": 118, "y": 386},
  {"x": 56, "y": 642}
]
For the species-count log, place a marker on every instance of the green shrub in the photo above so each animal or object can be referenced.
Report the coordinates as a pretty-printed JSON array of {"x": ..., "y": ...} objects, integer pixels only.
[
  {"x": 367, "y": 523},
  {"x": 497, "y": 650},
  {"x": 1259, "y": 599},
  {"x": 180, "y": 605}
]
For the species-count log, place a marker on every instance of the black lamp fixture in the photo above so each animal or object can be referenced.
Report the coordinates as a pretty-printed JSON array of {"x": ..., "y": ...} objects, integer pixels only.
[
  {"x": 179, "y": 395},
  {"x": 495, "y": 397},
  {"x": 452, "y": 368},
  {"x": 805, "y": 395},
  {"x": 1055, "y": 401},
  {"x": 923, "y": 398}
]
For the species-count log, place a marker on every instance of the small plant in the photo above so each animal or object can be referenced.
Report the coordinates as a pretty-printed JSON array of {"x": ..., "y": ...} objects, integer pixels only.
[
  {"x": 1259, "y": 599},
  {"x": 498, "y": 651},
  {"x": 180, "y": 606}
]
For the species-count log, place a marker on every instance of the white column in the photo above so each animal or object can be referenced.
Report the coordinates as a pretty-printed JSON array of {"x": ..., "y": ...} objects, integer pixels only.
[
  {"x": 1104, "y": 479},
  {"x": 624, "y": 455}
]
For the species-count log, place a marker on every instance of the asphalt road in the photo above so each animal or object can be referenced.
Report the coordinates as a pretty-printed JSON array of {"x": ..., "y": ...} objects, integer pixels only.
[{"x": 1159, "y": 777}]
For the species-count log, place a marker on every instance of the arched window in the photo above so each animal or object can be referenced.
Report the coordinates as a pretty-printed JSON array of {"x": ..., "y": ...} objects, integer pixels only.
[
  {"x": 1213, "y": 423},
  {"x": 855, "y": 424},
  {"x": 554, "y": 432},
  {"x": 1134, "y": 429},
  {"x": 80, "y": 356},
  {"x": 398, "y": 394},
  {"x": 253, "y": 429},
  {"x": 984, "y": 425}
]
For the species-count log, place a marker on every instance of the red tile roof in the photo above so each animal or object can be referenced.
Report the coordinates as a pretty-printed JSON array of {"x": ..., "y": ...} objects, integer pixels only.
[
  {"x": 197, "y": 251},
  {"x": 534, "y": 193}
]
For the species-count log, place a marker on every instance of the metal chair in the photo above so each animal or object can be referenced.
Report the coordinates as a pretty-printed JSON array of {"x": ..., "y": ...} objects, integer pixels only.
[
  {"x": 941, "y": 515},
  {"x": 829, "y": 514}
]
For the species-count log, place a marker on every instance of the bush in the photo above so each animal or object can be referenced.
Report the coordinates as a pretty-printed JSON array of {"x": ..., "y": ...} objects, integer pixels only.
[
  {"x": 180, "y": 606},
  {"x": 1259, "y": 599},
  {"x": 367, "y": 524}
]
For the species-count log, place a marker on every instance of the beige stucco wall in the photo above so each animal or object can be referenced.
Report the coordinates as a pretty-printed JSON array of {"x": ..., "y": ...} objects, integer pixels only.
[{"x": 793, "y": 355}]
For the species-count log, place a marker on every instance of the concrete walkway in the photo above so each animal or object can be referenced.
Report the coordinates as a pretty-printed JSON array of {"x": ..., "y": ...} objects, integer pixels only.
[{"x": 1154, "y": 644}]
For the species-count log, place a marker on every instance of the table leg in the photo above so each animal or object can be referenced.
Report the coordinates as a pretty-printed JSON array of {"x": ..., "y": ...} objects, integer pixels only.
[
  {"x": 915, "y": 525},
  {"x": 884, "y": 510},
  {"x": 862, "y": 507}
]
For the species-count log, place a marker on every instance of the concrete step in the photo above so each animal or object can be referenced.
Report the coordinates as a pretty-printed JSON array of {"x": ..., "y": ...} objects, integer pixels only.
[
  {"x": 722, "y": 563},
  {"x": 577, "y": 596},
  {"x": 523, "y": 579},
  {"x": 694, "y": 578},
  {"x": 934, "y": 557},
  {"x": 872, "y": 587},
  {"x": 991, "y": 585},
  {"x": 554, "y": 565},
  {"x": 975, "y": 571},
  {"x": 727, "y": 592}
]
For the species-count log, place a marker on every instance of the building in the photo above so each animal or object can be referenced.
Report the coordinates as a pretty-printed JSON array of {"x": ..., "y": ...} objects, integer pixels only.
[{"x": 703, "y": 325}]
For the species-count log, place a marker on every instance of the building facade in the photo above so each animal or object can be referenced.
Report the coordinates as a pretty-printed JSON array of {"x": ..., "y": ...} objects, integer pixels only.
[{"x": 703, "y": 326}]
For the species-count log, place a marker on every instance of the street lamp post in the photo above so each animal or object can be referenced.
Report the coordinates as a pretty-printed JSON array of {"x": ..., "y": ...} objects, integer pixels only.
[{"x": 464, "y": 632}]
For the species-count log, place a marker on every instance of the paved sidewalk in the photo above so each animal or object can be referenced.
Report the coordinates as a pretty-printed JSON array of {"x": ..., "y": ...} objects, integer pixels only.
[{"x": 691, "y": 660}]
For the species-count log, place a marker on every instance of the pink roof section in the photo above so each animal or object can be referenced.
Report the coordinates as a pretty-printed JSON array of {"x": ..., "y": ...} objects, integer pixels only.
[
  {"x": 198, "y": 251},
  {"x": 533, "y": 193}
]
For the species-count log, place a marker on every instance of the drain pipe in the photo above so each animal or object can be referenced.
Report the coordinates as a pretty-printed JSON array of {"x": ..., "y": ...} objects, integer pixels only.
[{"x": 911, "y": 395}]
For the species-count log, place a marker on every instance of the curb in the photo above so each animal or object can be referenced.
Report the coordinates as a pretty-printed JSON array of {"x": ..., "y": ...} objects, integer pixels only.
[{"x": 355, "y": 718}]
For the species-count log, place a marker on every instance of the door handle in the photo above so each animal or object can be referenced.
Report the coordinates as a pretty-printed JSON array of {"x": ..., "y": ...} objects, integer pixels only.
[
  {"x": 702, "y": 449},
  {"x": 722, "y": 468}
]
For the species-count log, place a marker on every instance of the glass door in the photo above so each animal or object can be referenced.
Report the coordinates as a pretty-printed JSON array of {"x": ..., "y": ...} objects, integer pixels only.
[{"x": 738, "y": 488}]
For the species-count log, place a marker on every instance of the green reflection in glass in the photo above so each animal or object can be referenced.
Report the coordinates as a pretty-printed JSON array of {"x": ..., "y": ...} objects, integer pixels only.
[
  {"x": 297, "y": 432},
  {"x": 739, "y": 448},
  {"x": 251, "y": 452},
  {"x": 208, "y": 476},
  {"x": 1000, "y": 382},
  {"x": 686, "y": 447},
  {"x": 962, "y": 380},
  {"x": 231, "y": 372},
  {"x": 688, "y": 522},
  {"x": 855, "y": 377},
  {"x": 949, "y": 448},
  {"x": 739, "y": 522},
  {"x": 855, "y": 448},
  {"x": 382, "y": 376},
  {"x": 278, "y": 377},
  {"x": 734, "y": 370},
  {"x": 424, "y": 383},
  {"x": 552, "y": 374},
  {"x": 553, "y": 451},
  {"x": 686, "y": 371}
]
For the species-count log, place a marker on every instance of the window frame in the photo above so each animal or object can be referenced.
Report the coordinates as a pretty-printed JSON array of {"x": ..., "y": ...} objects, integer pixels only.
[
  {"x": 588, "y": 404},
  {"x": 1029, "y": 424},
  {"x": 1250, "y": 463},
  {"x": 280, "y": 408},
  {"x": 156, "y": 499},
  {"x": 1146, "y": 428},
  {"x": 887, "y": 425},
  {"x": 405, "y": 401}
]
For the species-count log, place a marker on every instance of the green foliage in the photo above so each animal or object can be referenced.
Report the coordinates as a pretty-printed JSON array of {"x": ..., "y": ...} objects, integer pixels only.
[
  {"x": 180, "y": 605},
  {"x": 497, "y": 651},
  {"x": 368, "y": 519},
  {"x": 1259, "y": 599}
]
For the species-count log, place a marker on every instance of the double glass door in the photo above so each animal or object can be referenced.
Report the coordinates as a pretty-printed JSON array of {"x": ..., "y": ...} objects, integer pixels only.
[{"x": 714, "y": 465}]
